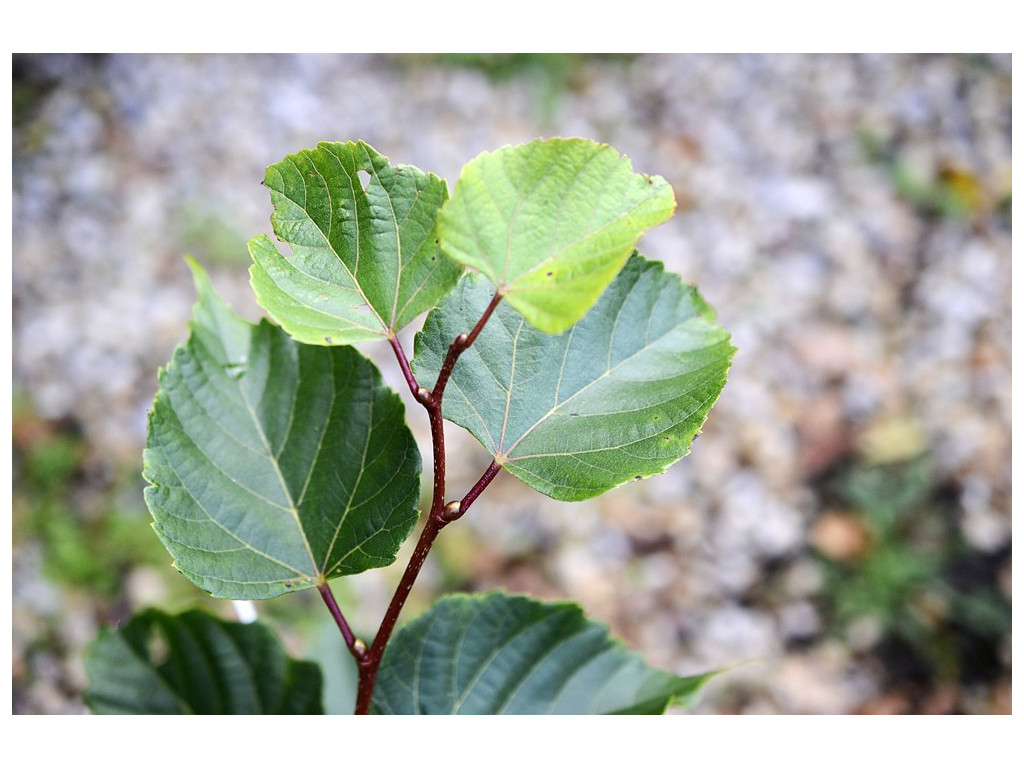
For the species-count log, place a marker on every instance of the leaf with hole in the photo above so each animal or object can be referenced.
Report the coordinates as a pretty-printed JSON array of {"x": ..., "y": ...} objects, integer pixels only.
[
  {"x": 365, "y": 258},
  {"x": 274, "y": 465},
  {"x": 506, "y": 654},
  {"x": 617, "y": 397},
  {"x": 550, "y": 223},
  {"x": 196, "y": 664}
]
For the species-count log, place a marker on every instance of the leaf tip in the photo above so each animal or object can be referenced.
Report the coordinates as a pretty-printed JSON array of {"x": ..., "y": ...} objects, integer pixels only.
[{"x": 200, "y": 277}]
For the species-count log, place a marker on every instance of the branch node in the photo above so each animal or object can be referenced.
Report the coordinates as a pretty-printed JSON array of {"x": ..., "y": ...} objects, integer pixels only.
[
  {"x": 359, "y": 649},
  {"x": 452, "y": 511}
]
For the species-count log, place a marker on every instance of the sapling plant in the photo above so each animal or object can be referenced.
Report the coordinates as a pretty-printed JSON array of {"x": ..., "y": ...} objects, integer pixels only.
[{"x": 278, "y": 459}]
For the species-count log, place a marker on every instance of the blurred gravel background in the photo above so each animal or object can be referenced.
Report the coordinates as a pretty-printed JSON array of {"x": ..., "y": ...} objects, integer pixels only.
[{"x": 842, "y": 527}]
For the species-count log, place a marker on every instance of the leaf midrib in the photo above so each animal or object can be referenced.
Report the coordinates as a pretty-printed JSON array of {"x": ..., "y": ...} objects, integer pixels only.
[
  {"x": 246, "y": 545},
  {"x": 355, "y": 484},
  {"x": 587, "y": 232},
  {"x": 513, "y": 286},
  {"x": 293, "y": 508},
  {"x": 647, "y": 345},
  {"x": 326, "y": 236},
  {"x": 671, "y": 425},
  {"x": 486, "y": 664}
]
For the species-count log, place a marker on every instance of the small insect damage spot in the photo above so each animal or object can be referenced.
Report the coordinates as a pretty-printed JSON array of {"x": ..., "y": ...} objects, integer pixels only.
[
  {"x": 364, "y": 179},
  {"x": 235, "y": 370},
  {"x": 328, "y": 340}
]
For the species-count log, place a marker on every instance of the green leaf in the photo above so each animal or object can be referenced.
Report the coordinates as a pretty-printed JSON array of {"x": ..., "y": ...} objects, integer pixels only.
[
  {"x": 195, "y": 664},
  {"x": 550, "y": 223},
  {"x": 275, "y": 465},
  {"x": 618, "y": 397},
  {"x": 365, "y": 261},
  {"x": 505, "y": 654}
]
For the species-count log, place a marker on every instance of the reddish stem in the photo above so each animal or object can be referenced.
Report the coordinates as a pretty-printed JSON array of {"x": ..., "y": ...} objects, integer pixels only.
[
  {"x": 435, "y": 522},
  {"x": 461, "y": 344},
  {"x": 370, "y": 664},
  {"x": 439, "y": 516}
]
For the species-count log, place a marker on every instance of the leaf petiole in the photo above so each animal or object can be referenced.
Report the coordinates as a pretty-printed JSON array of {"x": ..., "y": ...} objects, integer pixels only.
[
  {"x": 355, "y": 646},
  {"x": 403, "y": 363}
]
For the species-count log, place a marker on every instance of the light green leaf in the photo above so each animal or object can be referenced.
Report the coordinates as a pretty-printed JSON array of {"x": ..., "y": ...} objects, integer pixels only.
[
  {"x": 550, "y": 223},
  {"x": 195, "y": 664},
  {"x": 274, "y": 465},
  {"x": 365, "y": 259},
  {"x": 619, "y": 396},
  {"x": 503, "y": 654}
]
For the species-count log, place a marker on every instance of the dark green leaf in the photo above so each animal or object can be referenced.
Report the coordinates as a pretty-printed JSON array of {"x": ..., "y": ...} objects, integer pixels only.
[
  {"x": 618, "y": 397},
  {"x": 551, "y": 223},
  {"x": 504, "y": 654},
  {"x": 275, "y": 465},
  {"x": 365, "y": 261},
  {"x": 195, "y": 664}
]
